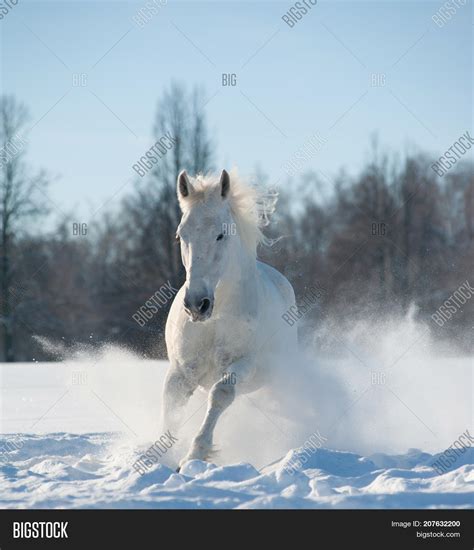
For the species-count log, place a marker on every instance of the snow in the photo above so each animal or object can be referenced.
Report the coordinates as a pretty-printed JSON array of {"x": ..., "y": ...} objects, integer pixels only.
[
  {"x": 75, "y": 428},
  {"x": 63, "y": 470}
]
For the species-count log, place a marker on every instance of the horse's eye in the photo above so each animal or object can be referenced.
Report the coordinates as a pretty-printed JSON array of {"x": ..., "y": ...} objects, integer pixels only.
[
  {"x": 219, "y": 237},
  {"x": 177, "y": 238}
]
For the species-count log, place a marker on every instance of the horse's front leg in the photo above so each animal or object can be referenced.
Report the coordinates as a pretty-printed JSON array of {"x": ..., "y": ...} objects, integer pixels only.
[
  {"x": 178, "y": 389},
  {"x": 221, "y": 395}
]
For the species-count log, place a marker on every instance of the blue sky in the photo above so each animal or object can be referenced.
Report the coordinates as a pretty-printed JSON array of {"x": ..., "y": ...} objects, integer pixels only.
[{"x": 314, "y": 78}]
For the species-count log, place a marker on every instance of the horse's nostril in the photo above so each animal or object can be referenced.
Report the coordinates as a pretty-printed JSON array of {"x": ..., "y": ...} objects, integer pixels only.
[{"x": 204, "y": 305}]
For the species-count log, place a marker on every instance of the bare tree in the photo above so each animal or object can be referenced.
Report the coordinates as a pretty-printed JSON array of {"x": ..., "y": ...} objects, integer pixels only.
[
  {"x": 20, "y": 200},
  {"x": 153, "y": 209},
  {"x": 182, "y": 114},
  {"x": 138, "y": 252}
]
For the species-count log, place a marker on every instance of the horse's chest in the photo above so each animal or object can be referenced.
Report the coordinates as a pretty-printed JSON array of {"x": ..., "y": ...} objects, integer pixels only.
[
  {"x": 197, "y": 344},
  {"x": 212, "y": 347}
]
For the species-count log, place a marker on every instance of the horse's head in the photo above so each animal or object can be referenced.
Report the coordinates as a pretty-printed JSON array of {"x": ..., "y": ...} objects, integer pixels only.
[{"x": 204, "y": 234}]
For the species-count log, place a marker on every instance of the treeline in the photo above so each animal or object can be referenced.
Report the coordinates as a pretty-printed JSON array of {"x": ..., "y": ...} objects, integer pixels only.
[{"x": 393, "y": 236}]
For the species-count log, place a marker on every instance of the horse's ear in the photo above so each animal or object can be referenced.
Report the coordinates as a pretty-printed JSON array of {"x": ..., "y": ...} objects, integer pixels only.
[
  {"x": 224, "y": 184},
  {"x": 183, "y": 185}
]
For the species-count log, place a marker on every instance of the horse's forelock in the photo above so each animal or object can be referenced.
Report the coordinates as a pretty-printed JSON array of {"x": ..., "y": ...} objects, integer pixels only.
[{"x": 251, "y": 207}]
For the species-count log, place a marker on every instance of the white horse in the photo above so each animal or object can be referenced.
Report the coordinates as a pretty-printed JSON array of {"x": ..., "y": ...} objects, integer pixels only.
[{"x": 226, "y": 321}]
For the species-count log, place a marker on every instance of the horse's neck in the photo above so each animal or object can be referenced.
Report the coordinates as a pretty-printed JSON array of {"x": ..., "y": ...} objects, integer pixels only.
[
  {"x": 242, "y": 267},
  {"x": 240, "y": 274}
]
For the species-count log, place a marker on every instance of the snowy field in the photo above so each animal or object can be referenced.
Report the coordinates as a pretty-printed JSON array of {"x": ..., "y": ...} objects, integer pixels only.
[{"x": 74, "y": 430}]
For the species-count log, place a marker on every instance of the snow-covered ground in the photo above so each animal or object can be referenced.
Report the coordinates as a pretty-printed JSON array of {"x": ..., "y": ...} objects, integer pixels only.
[
  {"x": 74, "y": 429},
  {"x": 94, "y": 470}
]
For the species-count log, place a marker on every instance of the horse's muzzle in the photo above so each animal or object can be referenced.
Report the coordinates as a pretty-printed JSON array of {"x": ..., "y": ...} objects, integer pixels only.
[{"x": 199, "y": 309}]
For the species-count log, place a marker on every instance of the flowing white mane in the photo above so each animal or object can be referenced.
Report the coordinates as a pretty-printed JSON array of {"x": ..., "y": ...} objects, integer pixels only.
[{"x": 251, "y": 206}]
